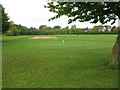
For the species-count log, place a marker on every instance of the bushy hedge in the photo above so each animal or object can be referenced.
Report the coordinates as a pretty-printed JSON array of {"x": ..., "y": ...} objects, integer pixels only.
[
  {"x": 13, "y": 32},
  {"x": 95, "y": 33},
  {"x": 22, "y": 30},
  {"x": 56, "y": 31}
]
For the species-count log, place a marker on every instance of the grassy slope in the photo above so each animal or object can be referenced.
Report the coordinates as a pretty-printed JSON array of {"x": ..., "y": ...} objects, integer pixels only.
[{"x": 47, "y": 63}]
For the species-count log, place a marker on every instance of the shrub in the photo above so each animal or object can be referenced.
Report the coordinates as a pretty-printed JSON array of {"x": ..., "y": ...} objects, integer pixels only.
[
  {"x": 16, "y": 32},
  {"x": 116, "y": 29},
  {"x": 9, "y": 33}
]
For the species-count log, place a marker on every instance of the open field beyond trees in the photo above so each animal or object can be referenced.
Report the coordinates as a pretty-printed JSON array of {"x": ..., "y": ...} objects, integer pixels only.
[{"x": 64, "y": 62}]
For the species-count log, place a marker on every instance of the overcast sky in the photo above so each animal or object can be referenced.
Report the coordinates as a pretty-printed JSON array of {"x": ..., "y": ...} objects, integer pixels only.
[{"x": 31, "y": 13}]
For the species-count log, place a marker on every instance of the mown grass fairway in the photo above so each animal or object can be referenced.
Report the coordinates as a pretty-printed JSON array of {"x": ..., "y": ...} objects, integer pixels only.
[{"x": 50, "y": 63}]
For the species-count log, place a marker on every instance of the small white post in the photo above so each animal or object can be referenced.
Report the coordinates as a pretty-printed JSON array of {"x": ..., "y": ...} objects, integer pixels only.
[
  {"x": 92, "y": 41},
  {"x": 55, "y": 41},
  {"x": 63, "y": 42}
]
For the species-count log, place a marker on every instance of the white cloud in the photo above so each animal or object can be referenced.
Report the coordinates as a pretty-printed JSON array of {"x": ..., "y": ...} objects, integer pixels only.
[{"x": 31, "y": 13}]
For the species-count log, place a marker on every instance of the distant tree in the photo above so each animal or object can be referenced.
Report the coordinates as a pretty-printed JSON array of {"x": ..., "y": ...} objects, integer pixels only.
[
  {"x": 57, "y": 27},
  {"x": 86, "y": 29},
  {"x": 5, "y": 20},
  {"x": 23, "y": 29},
  {"x": 107, "y": 28},
  {"x": 112, "y": 29},
  {"x": 13, "y": 29},
  {"x": 46, "y": 28},
  {"x": 9, "y": 33},
  {"x": 95, "y": 29},
  {"x": 31, "y": 28},
  {"x": 67, "y": 27},
  {"x": 73, "y": 27},
  {"x": 100, "y": 28},
  {"x": 116, "y": 29},
  {"x": 50, "y": 28},
  {"x": 42, "y": 27}
]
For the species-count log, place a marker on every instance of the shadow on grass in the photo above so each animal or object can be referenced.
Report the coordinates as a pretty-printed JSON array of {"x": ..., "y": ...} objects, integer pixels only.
[{"x": 3, "y": 41}]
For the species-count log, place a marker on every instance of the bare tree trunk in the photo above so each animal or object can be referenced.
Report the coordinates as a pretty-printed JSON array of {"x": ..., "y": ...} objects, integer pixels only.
[{"x": 115, "y": 51}]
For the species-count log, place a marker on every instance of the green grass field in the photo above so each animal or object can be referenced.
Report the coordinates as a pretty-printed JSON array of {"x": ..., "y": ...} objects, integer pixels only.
[{"x": 49, "y": 63}]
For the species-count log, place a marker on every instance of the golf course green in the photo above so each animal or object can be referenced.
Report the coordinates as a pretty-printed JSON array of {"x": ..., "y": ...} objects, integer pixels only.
[{"x": 69, "y": 61}]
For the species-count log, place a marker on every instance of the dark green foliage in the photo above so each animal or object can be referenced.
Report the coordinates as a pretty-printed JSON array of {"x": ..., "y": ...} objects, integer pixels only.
[
  {"x": 9, "y": 33},
  {"x": 13, "y": 31},
  {"x": 23, "y": 29},
  {"x": 27, "y": 31},
  {"x": 100, "y": 28},
  {"x": 57, "y": 27},
  {"x": 116, "y": 29},
  {"x": 73, "y": 26},
  {"x": 67, "y": 27},
  {"x": 42, "y": 27},
  {"x": 86, "y": 11},
  {"x": 16, "y": 31},
  {"x": 5, "y": 20},
  {"x": 94, "y": 33}
]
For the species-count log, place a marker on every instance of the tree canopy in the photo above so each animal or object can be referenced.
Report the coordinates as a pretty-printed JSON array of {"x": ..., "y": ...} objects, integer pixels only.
[
  {"x": 57, "y": 27},
  {"x": 5, "y": 20},
  {"x": 86, "y": 11}
]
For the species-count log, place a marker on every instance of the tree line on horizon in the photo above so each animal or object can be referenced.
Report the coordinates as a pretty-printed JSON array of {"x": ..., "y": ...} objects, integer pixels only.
[
  {"x": 11, "y": 29},
  {"x": 16, "y": 29}
]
